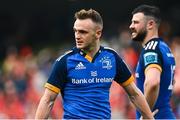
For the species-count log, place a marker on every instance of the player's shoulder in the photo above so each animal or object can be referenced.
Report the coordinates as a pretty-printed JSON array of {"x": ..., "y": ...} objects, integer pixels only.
[
  {"x": 114, "y": 52},
  {"x": 65, "y": 55},
  {"x": 155, "y": 44},
  {"x": 109, "y": 49},
  {"x": 152, "y": 44}
]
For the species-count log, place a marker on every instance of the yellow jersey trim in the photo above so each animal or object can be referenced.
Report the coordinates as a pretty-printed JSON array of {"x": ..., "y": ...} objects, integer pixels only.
[
  {"x": 88, "y": 58},
  {"x": 153, "y": 66},
  {"x": 51, "y": 87},
  {"x": 127, "y": 82}
]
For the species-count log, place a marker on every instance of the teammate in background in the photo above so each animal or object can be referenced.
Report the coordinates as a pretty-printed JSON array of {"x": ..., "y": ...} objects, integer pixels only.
[
  {"x": 156, "y": 66},
  {"x": 84, "y": 75}
]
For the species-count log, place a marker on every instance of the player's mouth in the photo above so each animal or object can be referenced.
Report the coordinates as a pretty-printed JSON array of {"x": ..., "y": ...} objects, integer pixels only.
[
  {"x": 133, "y": 33},
  {"x": 79, "y": 43}
]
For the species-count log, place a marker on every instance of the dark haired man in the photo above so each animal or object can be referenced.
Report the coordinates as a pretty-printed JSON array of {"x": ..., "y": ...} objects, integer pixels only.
[{"x": 155, "y": 69}]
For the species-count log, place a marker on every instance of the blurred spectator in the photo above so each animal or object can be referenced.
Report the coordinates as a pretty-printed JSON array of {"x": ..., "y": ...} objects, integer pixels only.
[
  {"x": 175, "y": 45},
  {"x": 128, "y": 49},
  {"x": 11, "y": 106}
]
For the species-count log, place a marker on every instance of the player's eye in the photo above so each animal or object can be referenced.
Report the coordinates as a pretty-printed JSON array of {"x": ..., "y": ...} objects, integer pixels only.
[
  {"x": 82, "y": 31},
  {"x": 135, "y": 22}
]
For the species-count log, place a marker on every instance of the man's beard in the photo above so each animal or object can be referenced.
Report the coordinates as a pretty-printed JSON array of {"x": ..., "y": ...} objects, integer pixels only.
[{"x": 140, "y": 36}]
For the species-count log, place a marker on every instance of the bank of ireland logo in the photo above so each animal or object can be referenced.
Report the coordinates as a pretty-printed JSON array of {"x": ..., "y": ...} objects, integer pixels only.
[{"x": 106, "y": 63}]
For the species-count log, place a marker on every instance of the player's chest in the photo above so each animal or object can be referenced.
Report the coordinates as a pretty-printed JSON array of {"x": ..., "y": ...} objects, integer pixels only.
[
  {"x": 80, "y": 69},
  {"x": 102, "y": 70}
]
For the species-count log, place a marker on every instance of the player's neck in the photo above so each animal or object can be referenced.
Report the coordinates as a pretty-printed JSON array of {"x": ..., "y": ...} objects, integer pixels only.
[
  {"x": 92, "y": 50},
  {"x": 150, "y": 36}
]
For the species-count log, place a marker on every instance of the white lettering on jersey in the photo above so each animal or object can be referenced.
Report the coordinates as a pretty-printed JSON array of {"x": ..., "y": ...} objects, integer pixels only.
[
  {"x": 92, "y": 80},
  {"x": 169, "y": 54}
]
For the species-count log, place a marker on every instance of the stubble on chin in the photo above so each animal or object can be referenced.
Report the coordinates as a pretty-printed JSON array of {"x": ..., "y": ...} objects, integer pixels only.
[{"x": 140, "y": 36}]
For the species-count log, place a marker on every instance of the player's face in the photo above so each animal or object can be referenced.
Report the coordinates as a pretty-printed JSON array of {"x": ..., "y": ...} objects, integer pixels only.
[
  {"x": 85, "y": 33},
  {"x": 138, "y": 27}
]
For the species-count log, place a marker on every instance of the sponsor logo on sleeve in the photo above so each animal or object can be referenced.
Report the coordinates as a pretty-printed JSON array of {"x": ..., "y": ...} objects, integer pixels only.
[{"x": 150, "y": 57}]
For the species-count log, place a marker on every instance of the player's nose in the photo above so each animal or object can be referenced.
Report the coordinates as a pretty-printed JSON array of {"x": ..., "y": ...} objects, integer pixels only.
[{"x": 131, "y": 26}]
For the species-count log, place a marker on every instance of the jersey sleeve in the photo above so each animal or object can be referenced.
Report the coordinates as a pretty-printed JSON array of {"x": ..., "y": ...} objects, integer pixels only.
[
  {"x": 152, "y": 58},
  {"x": 57, "y": 76},
  {"x": 123, "y": 74}
]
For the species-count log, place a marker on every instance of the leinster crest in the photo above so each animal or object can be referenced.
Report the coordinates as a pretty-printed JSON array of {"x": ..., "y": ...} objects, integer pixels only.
[{"x": 106, "y": 63}]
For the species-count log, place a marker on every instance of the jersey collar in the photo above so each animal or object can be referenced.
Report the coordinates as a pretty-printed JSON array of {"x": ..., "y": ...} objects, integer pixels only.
[{"x": 90, "y": 59}]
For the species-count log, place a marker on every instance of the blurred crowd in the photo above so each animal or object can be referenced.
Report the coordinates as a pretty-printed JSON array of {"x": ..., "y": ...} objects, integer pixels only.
[
  {"x": 24, "y": 72},
  {"x": 22, "y": 78}
]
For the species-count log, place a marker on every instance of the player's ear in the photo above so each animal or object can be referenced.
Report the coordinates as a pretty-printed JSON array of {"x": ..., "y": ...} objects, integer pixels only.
[
  {"x": 98, "y": 33},
  {"x": 150, "y": 24}
]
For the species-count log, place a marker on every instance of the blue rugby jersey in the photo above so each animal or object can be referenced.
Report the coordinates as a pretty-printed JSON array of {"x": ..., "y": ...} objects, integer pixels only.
[
  {"x": 157, "y": 54},
  {"x": 85, "y": 82}
]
